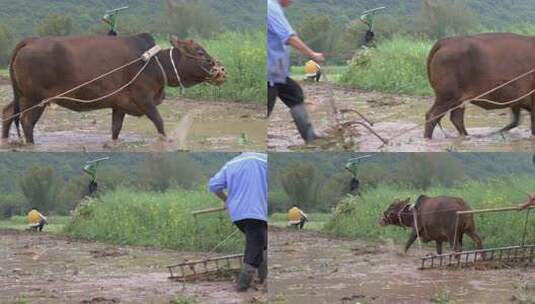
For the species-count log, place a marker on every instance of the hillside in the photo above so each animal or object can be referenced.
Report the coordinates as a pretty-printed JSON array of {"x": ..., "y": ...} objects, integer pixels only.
[
  {"x": 24, "y": 16},
  {"x": 493, "y": 13}
]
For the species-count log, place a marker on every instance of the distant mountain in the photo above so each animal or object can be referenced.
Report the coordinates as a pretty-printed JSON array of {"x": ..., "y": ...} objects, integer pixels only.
[{"x": 23, "y": 16}]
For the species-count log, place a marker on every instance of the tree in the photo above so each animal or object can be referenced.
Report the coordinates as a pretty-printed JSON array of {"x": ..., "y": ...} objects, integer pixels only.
[
  {"x": 6, "y": 44},
  {"x": 422, "y": 171},
  {"x": 439, "y": 19},
  {"x": 190, "y": 18},
  {"x": 163, "y": 171},
  {"x": 301, "y": 184},
  {"x": 40, "y": 186},
  {"x": 56, "y": 25}
]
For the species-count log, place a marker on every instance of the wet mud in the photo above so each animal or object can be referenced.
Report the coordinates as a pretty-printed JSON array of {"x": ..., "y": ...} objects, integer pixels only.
[
  {"x": 399, "y": 119},
  {"x": 190, "y": 125},
  {"x": 44, "y": 268},
  {"x": 308, "y": 268}
]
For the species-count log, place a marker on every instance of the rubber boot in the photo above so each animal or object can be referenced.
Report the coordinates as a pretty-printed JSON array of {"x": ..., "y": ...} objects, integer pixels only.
[
  {"x": 302, "y": 121},
  {"x": 263, "y": 269},
  {"x": 246, "y": 277}
]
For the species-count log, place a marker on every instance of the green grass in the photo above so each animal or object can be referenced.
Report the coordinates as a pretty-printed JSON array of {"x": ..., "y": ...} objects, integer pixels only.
[
  {"x": 357, "y": 218},
  {"x": 55, "y": 223},
  {"x": 161, "y": 220},
  {"x": 4, "y": 73},
  {"x": 396, "y": 66},
  {"x": 316, "y": 220},
  {"x": 244, "y": 57}
]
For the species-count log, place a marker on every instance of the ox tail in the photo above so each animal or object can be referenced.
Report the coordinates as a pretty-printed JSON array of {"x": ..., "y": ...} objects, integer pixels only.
[{"x": 14, "y": 84}]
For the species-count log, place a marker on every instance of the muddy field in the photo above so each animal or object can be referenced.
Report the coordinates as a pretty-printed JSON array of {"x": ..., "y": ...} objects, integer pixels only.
[
  {"x": 190, "y": 125},
  {"x": 309, "y": 268},
  {"x": 45, "y": 268},
  {"x": 393, "y": 116}
]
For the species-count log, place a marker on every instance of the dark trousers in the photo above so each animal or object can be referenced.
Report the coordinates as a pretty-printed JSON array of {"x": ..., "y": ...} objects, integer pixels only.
[
  {"x": 354, "y": 185},
  {"x": 290, "y": 93},
  {"x": 255, "y": 240}
]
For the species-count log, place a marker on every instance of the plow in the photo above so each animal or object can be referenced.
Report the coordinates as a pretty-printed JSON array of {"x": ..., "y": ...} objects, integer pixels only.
[
  {"x": 489, "y": 258},
  {"x": 208, "y": 267}
]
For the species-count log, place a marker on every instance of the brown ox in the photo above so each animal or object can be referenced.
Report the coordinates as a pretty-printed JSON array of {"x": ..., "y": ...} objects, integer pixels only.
[
  {"x": 41, "y": 68},
  {"x": 436, "y": 219},
  {"x": 463, "y": 68}
]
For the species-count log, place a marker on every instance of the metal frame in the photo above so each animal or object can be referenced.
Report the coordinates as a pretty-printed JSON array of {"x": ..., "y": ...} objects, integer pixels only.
[{"x": 499, "y": 256}]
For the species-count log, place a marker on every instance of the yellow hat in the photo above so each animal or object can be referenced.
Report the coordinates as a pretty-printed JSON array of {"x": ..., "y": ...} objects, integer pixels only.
[{"x": 312, "y": 68}]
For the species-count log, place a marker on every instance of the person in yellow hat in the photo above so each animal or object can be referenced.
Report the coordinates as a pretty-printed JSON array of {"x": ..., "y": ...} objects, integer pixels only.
[
  {"x": 313, "y": 70},
  {"x": 36, "y": 220},
  {"x": 296, "y": 217}
]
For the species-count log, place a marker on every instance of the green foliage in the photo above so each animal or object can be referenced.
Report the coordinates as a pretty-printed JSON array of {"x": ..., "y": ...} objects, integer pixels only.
[
  {"x": 397, "y": 65},
  {"x": 126, "y": 216},
  {"x": 12, "y": 204},
  {"x": 184, "y": 300},
  {"x": 186, "y": 19},
  {"x": 357, "y": 218},
  {"x": 244, "y": 56},
  {"x": 6, "y": 44},
  {"x": 162, "y": 171},
  {"x": 301, "y": 183},
  {"x": 56, "y": 25},
  {"x": 39, "y": 185},
  {"x": 439, "y": 19}
]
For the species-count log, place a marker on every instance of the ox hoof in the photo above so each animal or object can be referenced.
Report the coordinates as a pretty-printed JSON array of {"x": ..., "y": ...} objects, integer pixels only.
[{"x": 165, "y": 139}]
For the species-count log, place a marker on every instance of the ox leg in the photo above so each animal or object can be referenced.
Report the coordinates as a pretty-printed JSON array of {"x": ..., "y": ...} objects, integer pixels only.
[
  {"x": 475, "y": 237},
  {"x": 153, "y": 114},
  {"x": 439, "y": 247},
  {"x": 514, "y": 123},
  {"x": 28, "y": 121},
  {"x": 477, "y": 241},
  {"x": 411, "y": 240},
  {"x": 457, "y": 118},
  {"x": 117, "y": 119},
  {"x": 434, "y": 116},
  {"x": 6, "y": 123}
]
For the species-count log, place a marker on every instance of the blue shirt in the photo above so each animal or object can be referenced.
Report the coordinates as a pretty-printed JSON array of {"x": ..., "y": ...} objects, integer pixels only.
[
  {"x": 279, "y": 31},
  {"x": 245, "y": 179}
]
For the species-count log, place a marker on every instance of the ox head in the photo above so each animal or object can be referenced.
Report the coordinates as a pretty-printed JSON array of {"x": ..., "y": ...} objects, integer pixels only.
[
  {"x": 391, "y": 215},
  {"x": 195, "y": 65}
]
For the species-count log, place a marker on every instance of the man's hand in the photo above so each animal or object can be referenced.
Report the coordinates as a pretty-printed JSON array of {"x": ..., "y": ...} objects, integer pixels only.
[
  {"x": 222, "y": 196},
  {"x": 299, "y": 45},
  {"x": 318, "y": 57}
]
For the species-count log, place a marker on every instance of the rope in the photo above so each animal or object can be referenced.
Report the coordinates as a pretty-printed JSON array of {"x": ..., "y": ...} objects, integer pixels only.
[
  {"x": 478, "y": 98},
  {"x": 147, "y": 56},
  {"x": 221, "y": 243}
]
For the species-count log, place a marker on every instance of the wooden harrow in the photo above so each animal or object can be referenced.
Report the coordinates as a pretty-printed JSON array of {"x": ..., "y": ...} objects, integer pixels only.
[
  {"x": 485, "y": 258},
  {"x": 207, "y": 267}
]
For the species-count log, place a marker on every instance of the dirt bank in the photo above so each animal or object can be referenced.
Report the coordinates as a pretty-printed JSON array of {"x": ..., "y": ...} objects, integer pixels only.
[
  {"x": 393, "y": 116},
  {"x": 190, "y": 125},
  {"x": 310, "y": 268},
  {"x": 45, "y": 268}
]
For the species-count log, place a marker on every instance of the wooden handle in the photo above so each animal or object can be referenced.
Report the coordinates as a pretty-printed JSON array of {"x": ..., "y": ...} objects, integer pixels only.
[{"x": 211, "y": 210}]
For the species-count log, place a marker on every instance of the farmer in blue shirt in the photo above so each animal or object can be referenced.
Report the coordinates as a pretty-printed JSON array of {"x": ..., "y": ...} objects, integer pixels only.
[
  {"x": 244, "y": 178},
  {"x": 280, "y": 36}
]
